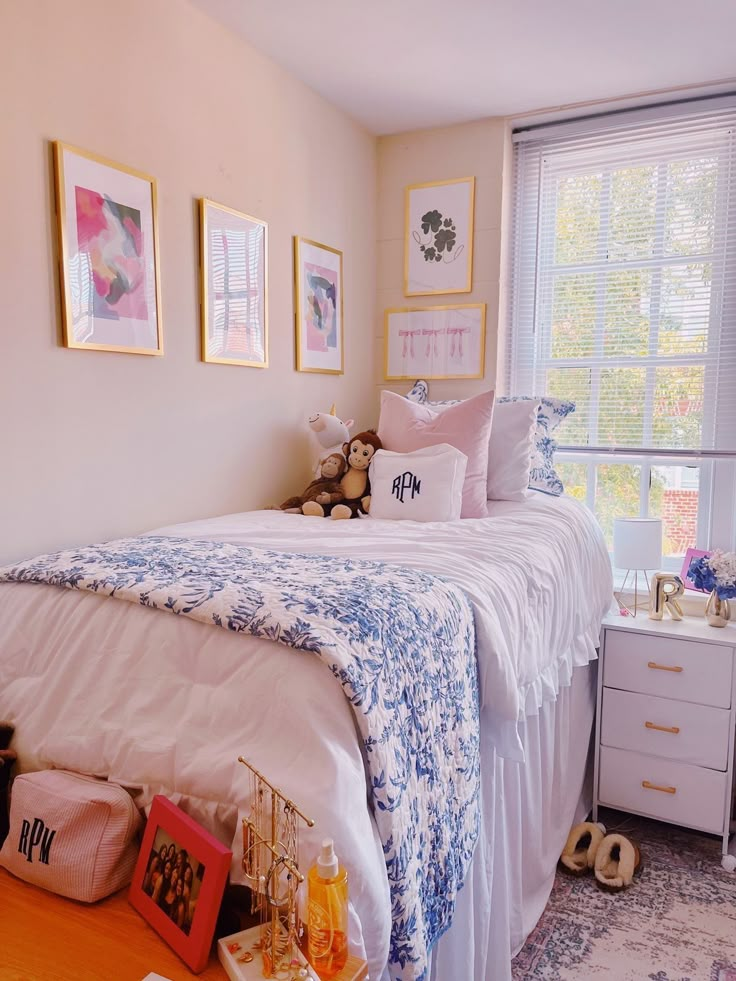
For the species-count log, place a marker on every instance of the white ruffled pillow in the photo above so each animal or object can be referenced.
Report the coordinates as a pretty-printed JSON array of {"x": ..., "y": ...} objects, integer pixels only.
[
  {"x": 510, "y": 450},
  {"x": 424, "y": 485}
]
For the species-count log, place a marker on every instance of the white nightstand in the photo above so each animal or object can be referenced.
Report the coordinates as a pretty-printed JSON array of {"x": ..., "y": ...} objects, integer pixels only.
[{"x": 666, "y": 720}]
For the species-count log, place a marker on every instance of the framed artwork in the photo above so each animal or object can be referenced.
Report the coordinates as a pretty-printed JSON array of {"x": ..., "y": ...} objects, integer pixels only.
[
  {"x": 435, "y": 342},
  {"x": 179, "y": 881},
  {"x": 318, "y": 297},
  {"x": 690, "y": 554},
  {"x": 234, "y": 280},
  {"x": 108, "y": 253},
  {"x": 438, "y": 237}
]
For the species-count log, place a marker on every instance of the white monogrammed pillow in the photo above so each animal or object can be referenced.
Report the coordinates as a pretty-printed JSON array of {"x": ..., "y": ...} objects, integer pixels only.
[{"x": 424, "y": 485}]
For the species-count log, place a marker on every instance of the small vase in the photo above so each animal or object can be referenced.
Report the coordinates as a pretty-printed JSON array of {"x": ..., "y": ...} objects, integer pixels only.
[{"x": 717, "y": 610}]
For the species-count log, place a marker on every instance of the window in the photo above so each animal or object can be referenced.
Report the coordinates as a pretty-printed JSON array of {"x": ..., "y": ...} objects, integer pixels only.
[{"x": 624, "y": 300}]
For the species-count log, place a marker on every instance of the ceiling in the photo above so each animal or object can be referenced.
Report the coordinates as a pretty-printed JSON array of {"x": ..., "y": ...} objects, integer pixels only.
[{"x": 398, "y": 65}]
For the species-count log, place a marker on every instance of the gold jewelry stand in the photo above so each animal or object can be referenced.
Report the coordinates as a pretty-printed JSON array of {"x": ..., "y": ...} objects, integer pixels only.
[{"x": 270, "y": 863}]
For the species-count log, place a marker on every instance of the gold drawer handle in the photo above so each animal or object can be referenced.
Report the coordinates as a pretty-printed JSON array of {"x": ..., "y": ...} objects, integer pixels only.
[
  {"x": 673, "y": 729},
  {"x": 653, "y": 786},
  {"x": 663, "y": 667}
]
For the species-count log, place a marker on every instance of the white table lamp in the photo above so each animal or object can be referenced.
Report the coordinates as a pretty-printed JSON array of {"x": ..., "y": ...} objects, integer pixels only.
[{"x": 637, "y": 546}]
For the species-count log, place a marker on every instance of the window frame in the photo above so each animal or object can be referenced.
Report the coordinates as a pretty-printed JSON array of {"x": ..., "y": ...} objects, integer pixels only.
[
  {"x": 717, "y": 469},
  {"x": 706, "y": 470}
]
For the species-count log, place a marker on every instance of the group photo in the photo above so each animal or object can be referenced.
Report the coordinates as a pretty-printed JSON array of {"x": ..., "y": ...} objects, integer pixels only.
[{"x": 173, "y": 879}]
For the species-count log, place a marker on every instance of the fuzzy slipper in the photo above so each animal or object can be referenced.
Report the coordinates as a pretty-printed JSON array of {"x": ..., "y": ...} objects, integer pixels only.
[
  {"x": 616, "y": 863},
  {"x": 581, "y": 847}
]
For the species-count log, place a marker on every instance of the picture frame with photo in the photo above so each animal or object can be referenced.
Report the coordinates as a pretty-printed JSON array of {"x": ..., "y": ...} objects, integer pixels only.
[
  {"x": 318, "y": 307},
  {"x": 108, "y": 254},
  {"x": 234, "y": 286},
  {"x": 179, "y": 881},
  {"x": 435, "y": 342},
  {"x": 438, "y": 237},
  {"x": 690, "y": 554}
]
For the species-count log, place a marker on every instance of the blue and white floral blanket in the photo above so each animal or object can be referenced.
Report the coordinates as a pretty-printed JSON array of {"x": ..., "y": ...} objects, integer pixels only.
[{"x": 402, "y": 644}]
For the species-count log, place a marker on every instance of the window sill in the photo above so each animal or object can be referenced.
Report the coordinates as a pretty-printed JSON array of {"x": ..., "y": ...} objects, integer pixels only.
[{"x": 692, "y": 603}]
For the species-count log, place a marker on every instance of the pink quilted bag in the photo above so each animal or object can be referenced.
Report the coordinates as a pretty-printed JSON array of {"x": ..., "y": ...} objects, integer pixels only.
[{"x": 71, "y": 834}]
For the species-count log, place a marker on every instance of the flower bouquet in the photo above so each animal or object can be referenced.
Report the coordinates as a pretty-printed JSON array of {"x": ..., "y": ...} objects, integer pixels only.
[{"x": 715, "y": 573}]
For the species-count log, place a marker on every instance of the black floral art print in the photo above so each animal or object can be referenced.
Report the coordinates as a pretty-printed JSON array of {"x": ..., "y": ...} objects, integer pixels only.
[{"x": 438, "y": 238}]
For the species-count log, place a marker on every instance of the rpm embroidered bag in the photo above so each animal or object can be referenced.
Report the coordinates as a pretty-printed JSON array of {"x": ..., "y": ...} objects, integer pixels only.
[{"x": 71, "y": 834}]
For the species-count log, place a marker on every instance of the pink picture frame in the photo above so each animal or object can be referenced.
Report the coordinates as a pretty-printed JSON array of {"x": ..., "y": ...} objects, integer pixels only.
[
  {"x": 692, "y": 553},
  {"x": 175, "y": 849}
]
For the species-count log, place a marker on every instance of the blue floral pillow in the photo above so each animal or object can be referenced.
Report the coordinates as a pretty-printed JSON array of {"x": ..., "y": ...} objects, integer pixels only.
[
  {"x": 419, "y": 393},
  {"x": 552, "y": 411},
  {"x": 542, "y": 474}
]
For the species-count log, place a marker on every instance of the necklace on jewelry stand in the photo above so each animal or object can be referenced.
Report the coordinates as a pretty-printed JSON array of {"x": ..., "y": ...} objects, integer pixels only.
[{"x": 270, "y": 863}]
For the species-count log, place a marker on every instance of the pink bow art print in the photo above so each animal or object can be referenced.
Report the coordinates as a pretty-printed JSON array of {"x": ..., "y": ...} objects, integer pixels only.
[{"x": 435, "y": 342}]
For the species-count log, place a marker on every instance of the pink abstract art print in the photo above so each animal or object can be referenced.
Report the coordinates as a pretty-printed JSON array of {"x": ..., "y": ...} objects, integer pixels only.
[
  {"x": 319, "y": 307},
  {"x": 320, "y": 301},
  {"x": 108, "y": 247},
  {"x": 110, "y": 235}
]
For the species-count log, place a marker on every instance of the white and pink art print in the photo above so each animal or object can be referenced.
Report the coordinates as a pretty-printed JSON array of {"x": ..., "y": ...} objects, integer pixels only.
[
  {"x": 234, "y": 283},
  {"x": 435, "y": 342},
  {"x": 108, "y": 254},
  {"x": 319, "y": 307}
]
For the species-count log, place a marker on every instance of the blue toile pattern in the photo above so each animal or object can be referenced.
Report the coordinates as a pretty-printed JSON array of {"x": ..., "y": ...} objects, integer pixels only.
[
  {"x": 402, "y": 644},
  {"x": 552, "y": 411}
]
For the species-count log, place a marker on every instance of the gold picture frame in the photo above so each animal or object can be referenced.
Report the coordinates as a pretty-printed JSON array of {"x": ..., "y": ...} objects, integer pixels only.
[
  {"x": 318, "y": 307},
  {"x": 438, "y": 237},
  {"x": 421, "y": 342},
  {"x": 108, "y": 254},
  {"x": 233, "y": 286}
]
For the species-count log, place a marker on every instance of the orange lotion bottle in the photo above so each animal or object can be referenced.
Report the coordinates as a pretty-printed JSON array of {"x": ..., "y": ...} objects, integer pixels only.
[{"x": 327, "y": 913}]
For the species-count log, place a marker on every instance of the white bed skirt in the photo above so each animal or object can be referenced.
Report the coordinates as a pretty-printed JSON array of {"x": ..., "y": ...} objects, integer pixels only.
[{"x": 528, "y": 810}]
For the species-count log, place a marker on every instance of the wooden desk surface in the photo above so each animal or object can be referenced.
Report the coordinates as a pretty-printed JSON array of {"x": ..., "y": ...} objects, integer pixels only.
[{"x": 44, "y": 937}]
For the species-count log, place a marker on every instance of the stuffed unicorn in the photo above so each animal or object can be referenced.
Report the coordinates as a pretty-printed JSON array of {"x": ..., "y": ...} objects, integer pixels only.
[{"x": 331, "y": 434}]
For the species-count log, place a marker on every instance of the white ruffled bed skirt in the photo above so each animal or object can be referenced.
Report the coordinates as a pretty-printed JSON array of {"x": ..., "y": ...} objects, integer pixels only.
[{"x": 528, "y": 810}]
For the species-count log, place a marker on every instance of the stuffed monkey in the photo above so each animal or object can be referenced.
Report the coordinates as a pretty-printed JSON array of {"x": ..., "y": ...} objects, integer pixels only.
[
  {"x": 355, "y": 485},
  {"x": 327, "y": 485}
]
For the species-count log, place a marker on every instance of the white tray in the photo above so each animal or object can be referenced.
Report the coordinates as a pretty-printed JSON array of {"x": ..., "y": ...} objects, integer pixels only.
[{"x": 253, "y": 971}]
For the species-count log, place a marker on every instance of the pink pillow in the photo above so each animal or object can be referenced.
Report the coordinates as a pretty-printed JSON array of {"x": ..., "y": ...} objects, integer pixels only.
[{"x": 405, "y": 426}]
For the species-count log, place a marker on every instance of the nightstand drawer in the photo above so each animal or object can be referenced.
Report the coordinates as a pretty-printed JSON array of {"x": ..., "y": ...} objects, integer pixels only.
[
  {"x": 677, "y": 792},
  {"x": 677, "y": 730},
  {"x": 681, "y": 669}
]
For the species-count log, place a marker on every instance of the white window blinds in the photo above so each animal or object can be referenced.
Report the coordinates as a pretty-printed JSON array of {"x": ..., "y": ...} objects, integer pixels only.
[{"x": 624, "y": 280}]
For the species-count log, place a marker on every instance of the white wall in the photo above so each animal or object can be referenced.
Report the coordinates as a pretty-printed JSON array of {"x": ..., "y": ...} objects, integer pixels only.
[
  {"x": 96, "y": 445},
  {"x": 479, "y": 149}
]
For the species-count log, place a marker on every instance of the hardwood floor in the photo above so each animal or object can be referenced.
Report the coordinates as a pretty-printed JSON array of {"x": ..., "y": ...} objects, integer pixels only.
[{"x": 44, "y": 937}]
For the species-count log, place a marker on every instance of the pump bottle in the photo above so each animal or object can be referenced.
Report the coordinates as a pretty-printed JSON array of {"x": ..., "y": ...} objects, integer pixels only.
[{"x": 327, "y": 913}]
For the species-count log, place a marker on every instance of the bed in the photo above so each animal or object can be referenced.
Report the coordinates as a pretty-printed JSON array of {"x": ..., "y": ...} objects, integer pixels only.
[{"x": 165, "y": 704}]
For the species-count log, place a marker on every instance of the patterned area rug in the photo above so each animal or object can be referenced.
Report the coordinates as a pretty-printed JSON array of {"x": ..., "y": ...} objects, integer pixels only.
[{"x": 676, "y": 923}]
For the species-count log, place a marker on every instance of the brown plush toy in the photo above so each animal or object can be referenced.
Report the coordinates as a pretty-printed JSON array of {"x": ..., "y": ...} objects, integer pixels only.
[
  {"x": 327, "y": 485},
  {"x": 355, "y": 486}
]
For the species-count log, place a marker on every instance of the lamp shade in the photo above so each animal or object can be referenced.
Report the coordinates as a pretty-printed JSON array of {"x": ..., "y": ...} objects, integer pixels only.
[{"x": 637, "y": 543}]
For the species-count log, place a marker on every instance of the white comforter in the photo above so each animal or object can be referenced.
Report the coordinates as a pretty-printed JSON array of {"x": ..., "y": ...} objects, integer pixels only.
[{"x": 165, "y": 703}]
